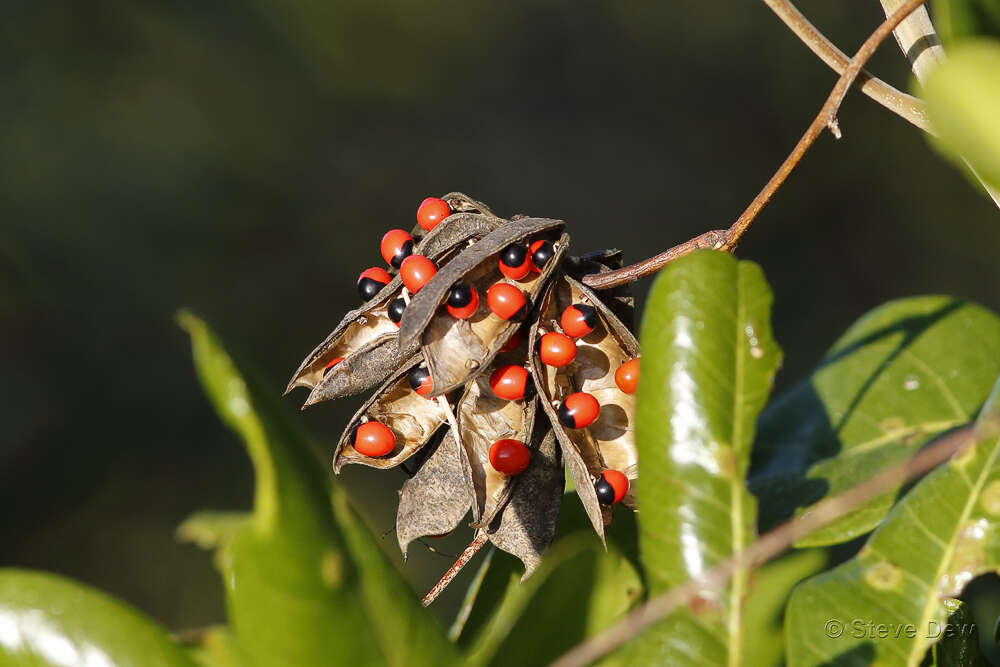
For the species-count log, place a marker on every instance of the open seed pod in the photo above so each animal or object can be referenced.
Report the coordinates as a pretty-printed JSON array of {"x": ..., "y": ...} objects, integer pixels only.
[
  {"x": 458, "y": 349},
  {"x": 412, "y": 418},
  {"x": 609, "y": 442},
  {"x": 366, "y": 339}
]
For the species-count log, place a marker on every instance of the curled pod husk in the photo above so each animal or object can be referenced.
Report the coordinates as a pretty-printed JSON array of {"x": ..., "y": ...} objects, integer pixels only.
[
  {"x": 412, "y": 418},
  {"x": 436, "y": 498},
  {"x": 366, "y": 338},
  {"x": 618, "y": 299},
  {"x": 610, "y": 441},
  {"x": 457, "y": 350},
  {"x": 526, "y": 525},
  {"x": 482, "y": 420}
]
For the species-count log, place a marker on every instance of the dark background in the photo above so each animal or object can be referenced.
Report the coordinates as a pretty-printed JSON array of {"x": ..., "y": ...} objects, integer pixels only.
[{"x": 243, "y": 158}]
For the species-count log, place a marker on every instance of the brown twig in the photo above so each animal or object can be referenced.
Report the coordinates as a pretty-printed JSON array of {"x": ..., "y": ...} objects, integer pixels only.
[
  {"x": 766, "y": 547},
  {"x": 826, "y": 118},
  {"x": 905, "y": 106},
  {"x": 453, "y": 571}
]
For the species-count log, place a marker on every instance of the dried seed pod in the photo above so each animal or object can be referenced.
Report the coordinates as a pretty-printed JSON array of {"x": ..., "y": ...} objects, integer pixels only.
[
  {"x": 413, "y": 420},
  {"x": 526, "y": 525},
  {"x": 366, "y": 337},
  {"x": 609, "y": 442},
  {"x": 482, "y": 420},
  {"x": 436, "y": 498},
  {"x": 457, "y": 350}
]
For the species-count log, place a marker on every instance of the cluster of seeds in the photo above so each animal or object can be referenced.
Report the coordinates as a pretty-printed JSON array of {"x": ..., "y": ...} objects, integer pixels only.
[{"x": 476, "y": 328}]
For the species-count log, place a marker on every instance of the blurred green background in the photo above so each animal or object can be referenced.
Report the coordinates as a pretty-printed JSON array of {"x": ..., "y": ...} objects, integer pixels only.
[{"x": 244, "y": 158}]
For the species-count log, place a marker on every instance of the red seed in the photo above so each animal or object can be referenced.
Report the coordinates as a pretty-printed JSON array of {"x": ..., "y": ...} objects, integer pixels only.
[
  {"x": 512, "y": 342},
  {"x": 618, "y": 482},
  {"x": 397, "y": 245},
  {"x": 333, "y": 362},
  {"x": 507, "y": 301},
  {"x": 509, "y": 382},
  {"x": 420, "y": 381},
  {"x": 556, "y": 349},
  {"x": 514, "y": 261},
  {"x": 371, "y": 281},
  {"x": 578, "y": 320},
  {"x": 627, "y": 376},
  {"x": 579, "y": 410},
  {"x": 416, "y": 271},
  {"x": 463, "y": 302},
  {"x": 509, "y": 457},
  {"x": 431, "y": 212},
  {"x": 374, "y": 439},
  {"x": 541, "y": 252}
]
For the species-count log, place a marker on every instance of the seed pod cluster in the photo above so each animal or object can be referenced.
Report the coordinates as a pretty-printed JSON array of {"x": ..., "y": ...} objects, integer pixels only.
[{"x": 496, "y": 367}]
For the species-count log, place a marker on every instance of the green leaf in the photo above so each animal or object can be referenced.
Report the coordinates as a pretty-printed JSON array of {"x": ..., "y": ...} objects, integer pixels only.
[
  {"x": 958, "y": 20},
  {"x": 578, "y": 590},
  {"x": 300, "y": 589},
  {"x": 707, "y": 368},
  {"x": 887, "y": 605},
  {"x": 898, "y": 377},
  {"x": 959, "y": 643},
  {"x": 963, "y": 103},
  {"x": 211, "y": 530},
  {"x": 49, "y": 620}
]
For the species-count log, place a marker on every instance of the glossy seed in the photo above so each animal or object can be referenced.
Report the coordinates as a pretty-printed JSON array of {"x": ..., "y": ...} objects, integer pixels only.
[
  {"x": 514, "y": 262},
  {"x": 463, "y": 301},
  {"x": 509, "y": 457},
  {"x": 416, "y": 271},
  {"x": 556, "y": 349},
  {"x": 627, "y": 376},
  {"x": 611, "y": 486},
  {"x": 509, "y": 382},
  {"x": 395, "y": 310},
  {"x": 420, "y": 381},
  {"x": 371, "y": 281},
  {"x": 541, "y": 253},
  {"x": 373, "y": 439},
  {"x": 329, "y": 366},
  {"x": 579, "y": 410},
  {"x": 578, "y": 320},
  {"x": 397, "y": 245},
  {"x": 507, "y": 302},
  {"x": 431, "y": 212}
]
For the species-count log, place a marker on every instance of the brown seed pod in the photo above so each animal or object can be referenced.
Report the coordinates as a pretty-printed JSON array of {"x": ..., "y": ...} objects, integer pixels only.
[
  {"x": 610, "y": 441},
  {"x": 457, "y": 350},
  {"x": 366, "y": 337},
  {"x": 412, "y": 418},
  {"x": 436, "y": 498}
]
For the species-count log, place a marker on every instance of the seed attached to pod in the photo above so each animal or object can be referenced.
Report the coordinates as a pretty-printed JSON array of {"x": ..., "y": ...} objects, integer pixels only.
[
  {"x": 395, "y": 310},
  {"x": 627, "y": 376},
  {"x": 416, "y": 271},
  {"x": 420, "y": 381},
  {"x": 515, "y": 262},
  {"x": 512, "y": 342},
  {"x": 371, "y": 281},
  {"x": 611, "y": 486},
  {"x": 578, "y": 320},
  {"x": 397, "y": 245},
  {"x": 541, "y": 253},
  {"x": 463, "y": 301},
  {"x": 579, "y": 410},
  {"x": 507, "y": 302},
  {"x": 373, "y": 439},
  {"x": 509, "y": 457},
  {"x": 431, "y": 212},
  {"x": 556, "y": 349},
  {"x": 509, "y": 382},
  {"x": 329, "y": 366}
]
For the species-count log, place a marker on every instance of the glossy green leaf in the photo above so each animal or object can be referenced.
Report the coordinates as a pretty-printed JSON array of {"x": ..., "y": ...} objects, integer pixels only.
[
  {"x": 959, "y": 642},
  {"x": 48, "y": 620},
  {"x": 578, "y": 590},
  {"x": 963, "y": 103},
  {"x": 299, "y": 590},
  {"x": 708, "y": 363},
  {"x": 902, "y": 374},
  {"x": 958, "y": 20},
  {"x": 887, "y": 605}
]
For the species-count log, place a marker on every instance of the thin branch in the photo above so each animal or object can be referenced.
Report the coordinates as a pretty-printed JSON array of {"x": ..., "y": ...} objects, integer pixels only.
[
  {"x": 453, "y": 571},
  {"x": 906, "y": 106},
  {"x": 767, "y": 547},
  {"x": 919, "y": 42},
  {"x": 826, "y": 118}
]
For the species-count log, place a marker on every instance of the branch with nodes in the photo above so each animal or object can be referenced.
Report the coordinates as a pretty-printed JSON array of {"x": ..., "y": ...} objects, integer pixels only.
[{"x": 767, "y": 547}]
